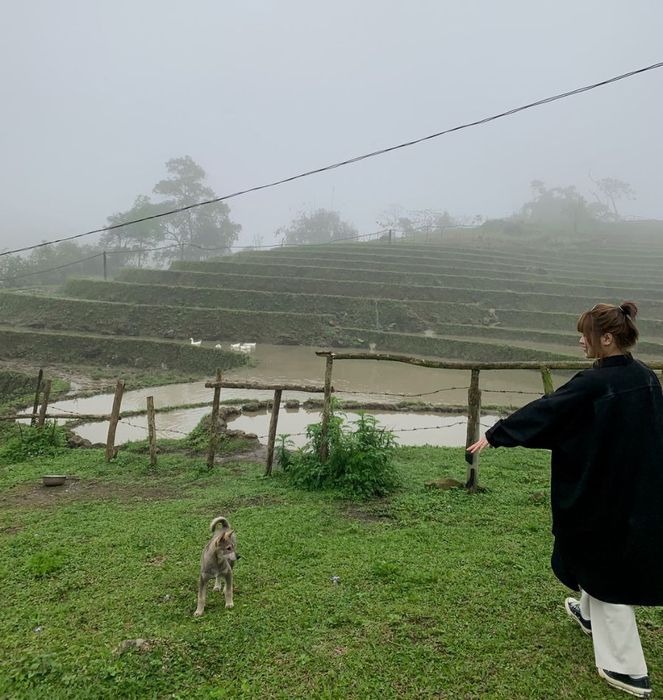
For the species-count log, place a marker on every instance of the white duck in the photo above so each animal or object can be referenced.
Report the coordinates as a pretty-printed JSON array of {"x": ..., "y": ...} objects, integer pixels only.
[
  {"x": 235, "y": 346},
  {"x": 218, "y": 346},
  {"x": 197, "y": 343}
]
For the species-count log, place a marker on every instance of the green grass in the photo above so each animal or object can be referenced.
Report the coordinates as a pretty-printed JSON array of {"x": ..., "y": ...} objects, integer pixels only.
[{"x": 441, "y": 594}]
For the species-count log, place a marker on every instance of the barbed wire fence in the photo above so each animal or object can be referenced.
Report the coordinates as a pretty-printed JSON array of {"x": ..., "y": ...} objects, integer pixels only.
[{"x": 473, "y": 407}]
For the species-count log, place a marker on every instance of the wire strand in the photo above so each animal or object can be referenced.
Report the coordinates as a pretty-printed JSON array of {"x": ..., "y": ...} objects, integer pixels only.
[
  {"x": 349, "y": 161},
  {"x": 136, "y": 251}
]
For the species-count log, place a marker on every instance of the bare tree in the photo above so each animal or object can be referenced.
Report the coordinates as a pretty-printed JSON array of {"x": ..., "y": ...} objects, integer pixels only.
[{"x": 613, "y": 190}]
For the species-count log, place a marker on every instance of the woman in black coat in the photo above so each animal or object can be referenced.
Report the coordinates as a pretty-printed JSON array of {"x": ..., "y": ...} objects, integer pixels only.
[{"x": 605, "y": 430}]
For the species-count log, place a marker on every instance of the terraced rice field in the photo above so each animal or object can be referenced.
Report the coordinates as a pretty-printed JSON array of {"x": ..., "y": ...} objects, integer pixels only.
[{"x": 473, "y": 300}]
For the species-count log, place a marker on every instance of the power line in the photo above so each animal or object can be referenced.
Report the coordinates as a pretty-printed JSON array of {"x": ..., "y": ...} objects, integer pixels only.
[
  {"x": 50, "y": 269},
  {"x": 350, "y": 161},
  {"x": 137, "y": 251}
]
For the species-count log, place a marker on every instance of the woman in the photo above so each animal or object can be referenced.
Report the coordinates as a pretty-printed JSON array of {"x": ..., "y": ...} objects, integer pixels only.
[{"x": 605, "y": 430}]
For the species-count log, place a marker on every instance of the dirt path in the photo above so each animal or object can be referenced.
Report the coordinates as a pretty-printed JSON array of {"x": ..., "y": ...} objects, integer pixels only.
[{"x": 34, "y": 494}]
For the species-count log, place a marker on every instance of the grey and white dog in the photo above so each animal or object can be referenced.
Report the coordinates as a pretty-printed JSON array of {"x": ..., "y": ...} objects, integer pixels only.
[{"x": 217, "y": 561}]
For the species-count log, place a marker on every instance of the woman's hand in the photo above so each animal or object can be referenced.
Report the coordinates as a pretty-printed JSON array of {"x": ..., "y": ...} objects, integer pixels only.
[{"x": 478, "y": 446}]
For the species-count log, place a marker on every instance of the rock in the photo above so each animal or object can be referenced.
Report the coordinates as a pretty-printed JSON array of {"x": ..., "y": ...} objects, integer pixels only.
[
  {"x": 170, "y": 333},
  {"x": 292, "y": 403},
  {"x": 141, "y": 645},
  {"x": 445, "y": 484},
  {"x": 538, "y": 498},
  {"x": 241, "y": 435},
  {"x": 228, "y": 411},
  {"x": 75, "y": 441}
]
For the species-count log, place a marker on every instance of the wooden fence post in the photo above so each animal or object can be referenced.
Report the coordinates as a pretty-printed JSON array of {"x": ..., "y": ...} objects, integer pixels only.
[
  {"x": 273, "y": 422},
  {"x": 213, "y": 428},
  {"x": 151, "y": 431},
  {"x": 326, "y": 410},
  {"x": 548, "y": 387},
  {"x": 114, "y": 418},
  {"x": 473, "y": 430},
  {"x": 44, "y": 403},
  {"x": 35, "y": 408}
]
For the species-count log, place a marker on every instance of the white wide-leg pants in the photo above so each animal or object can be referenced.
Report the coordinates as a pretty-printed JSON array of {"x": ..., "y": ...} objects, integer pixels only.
[{"x": 617, "y": 644}]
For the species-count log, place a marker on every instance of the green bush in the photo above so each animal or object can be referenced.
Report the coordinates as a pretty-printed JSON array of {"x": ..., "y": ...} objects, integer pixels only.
[
  {"x": 359, "y": 462},
  {"x": 28, "y": 442},
  {"x": 282, "y": 451}
]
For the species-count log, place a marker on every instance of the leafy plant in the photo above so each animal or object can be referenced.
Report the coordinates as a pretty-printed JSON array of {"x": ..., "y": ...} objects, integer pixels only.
[
  {"x": 29, "y": 442},
  {"x": 359, "y": 462},
  {"x": 283, "y": 452},
  {"x": 42, "y": 564}
]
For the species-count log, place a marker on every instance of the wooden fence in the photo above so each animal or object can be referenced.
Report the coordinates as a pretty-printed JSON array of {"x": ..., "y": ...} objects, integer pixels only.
[
  {"x": 473, "y": 395},
  {"x": 39, "y": 412}
]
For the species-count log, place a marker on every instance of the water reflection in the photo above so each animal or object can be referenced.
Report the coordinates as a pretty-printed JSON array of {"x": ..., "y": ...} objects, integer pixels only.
[
  {"x": 410, "y": 428},
  {"x": 352, "y": 379}
]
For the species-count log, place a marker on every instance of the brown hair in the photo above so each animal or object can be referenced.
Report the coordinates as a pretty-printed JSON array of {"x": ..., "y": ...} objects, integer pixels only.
[{"x": 607, "y": 318}]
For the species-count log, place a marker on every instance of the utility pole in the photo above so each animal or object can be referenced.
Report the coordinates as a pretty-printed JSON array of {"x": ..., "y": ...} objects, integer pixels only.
[{"x": 105, "y": 266}]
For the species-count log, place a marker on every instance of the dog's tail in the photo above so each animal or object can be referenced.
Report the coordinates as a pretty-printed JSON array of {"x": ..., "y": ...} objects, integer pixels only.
[{"x": 216, "y": 521}]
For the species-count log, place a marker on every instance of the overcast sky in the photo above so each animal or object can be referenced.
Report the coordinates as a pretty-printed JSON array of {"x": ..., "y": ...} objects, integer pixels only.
[{"x": 97, "y": 96}]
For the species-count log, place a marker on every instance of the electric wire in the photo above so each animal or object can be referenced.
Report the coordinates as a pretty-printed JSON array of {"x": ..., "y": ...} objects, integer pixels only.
[{"x": 348, "y": 161}]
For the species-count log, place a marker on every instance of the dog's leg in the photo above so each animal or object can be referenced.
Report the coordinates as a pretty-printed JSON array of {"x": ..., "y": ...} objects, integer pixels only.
[
  {"x": 202, "y": 594},
  {"x": 217, "y": 583},
  {"x": 228, "y": 588}
]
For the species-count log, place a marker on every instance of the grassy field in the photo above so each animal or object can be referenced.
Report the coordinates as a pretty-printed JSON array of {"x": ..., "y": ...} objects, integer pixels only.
[{"x": 441, "y": 594}]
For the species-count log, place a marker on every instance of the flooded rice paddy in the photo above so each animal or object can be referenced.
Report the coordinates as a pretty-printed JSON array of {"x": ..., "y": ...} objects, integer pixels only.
[{"x": 360, "y": 380}]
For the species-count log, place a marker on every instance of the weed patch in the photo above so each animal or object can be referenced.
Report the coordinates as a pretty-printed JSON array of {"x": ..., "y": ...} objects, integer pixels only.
[{"x": 359, "y": 462}]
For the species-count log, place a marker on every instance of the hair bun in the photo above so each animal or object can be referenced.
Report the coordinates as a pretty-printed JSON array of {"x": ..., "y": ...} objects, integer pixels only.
[{"x": 629, "y": 308}]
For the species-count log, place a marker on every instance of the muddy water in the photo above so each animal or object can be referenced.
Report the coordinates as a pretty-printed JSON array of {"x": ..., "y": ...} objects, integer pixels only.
[
  {"x": 410, "y": 428},
  {"x": 352, "y": 379}
]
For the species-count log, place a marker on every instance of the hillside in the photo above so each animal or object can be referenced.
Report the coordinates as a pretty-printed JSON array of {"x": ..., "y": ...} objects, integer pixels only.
[{"x": 466, "y": 297}]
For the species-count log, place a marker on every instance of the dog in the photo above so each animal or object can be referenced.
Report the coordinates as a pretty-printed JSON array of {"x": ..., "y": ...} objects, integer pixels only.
[{"x": 217, "y": 561}]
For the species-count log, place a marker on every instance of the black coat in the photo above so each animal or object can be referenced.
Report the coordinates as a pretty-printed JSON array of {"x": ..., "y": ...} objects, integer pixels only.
[{"x": 605, "y": 430}]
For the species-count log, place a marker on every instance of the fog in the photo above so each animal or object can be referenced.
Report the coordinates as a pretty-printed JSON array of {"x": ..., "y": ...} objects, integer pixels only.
[{"x": 98, "y": 96}]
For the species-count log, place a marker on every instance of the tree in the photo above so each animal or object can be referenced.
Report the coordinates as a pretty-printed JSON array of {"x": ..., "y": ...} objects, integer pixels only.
[
  {"x": 613, "y": 190},
  {"x": 52, "y": 264},
  {"x": 195, "y": 230},
  {"x": 409, "y": 223},
  {"x": 136, "y": 237},
  {"x": 558, "y": 208},
  {"x": 322, "y": 226}
]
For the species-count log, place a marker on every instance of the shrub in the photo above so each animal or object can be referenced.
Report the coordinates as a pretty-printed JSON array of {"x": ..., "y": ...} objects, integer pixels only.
[
  {"x": 282, "y": 451},
  {"x": 28, "y": 442},
  {"x": 359, "y": 462}
]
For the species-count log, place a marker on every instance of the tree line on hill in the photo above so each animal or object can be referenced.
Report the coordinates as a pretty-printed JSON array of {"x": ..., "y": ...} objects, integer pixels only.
[{"x": 209, "y": 232}]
